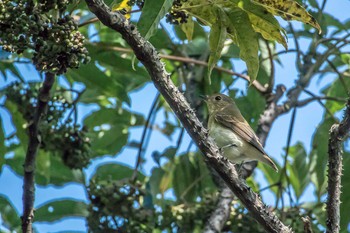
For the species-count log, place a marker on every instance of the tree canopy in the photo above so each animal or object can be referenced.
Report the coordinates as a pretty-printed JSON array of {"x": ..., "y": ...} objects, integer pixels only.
[{"x": 81, "y": 106}]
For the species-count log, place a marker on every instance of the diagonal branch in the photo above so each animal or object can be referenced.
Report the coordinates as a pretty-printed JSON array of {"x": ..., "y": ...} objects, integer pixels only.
[
  {"x": 33, "y": 145},
  {"x": 147, "y": 54},
  {"x": 338, "y": 133}
]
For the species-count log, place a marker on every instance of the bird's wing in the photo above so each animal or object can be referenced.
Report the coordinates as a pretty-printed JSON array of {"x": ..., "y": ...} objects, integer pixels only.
[{"x": 241, "y": 128}]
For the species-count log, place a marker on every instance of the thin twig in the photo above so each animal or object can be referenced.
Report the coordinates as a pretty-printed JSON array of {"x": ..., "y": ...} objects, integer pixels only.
[
  {"x": 285, "y": 162},
  {"x": 255, "y": 83},
  {"x": 33, "y": 146},
  {"x": 279, "y": 53},
  {"x": 143, "y": 136},
  {"x": 297, "y": 48},
  {"x": 322, "y": 104}
]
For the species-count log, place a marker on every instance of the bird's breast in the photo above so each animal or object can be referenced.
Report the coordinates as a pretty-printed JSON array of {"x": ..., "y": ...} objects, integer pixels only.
[{"x": 224, "y": 136}]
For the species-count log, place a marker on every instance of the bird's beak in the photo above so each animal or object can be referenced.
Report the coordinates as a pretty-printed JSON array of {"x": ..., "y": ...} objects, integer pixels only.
[{"x": 204, "y": 97}]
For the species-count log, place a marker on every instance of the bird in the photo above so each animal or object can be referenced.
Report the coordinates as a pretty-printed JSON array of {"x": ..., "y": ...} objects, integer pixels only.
[{"x": 232, "y": 133}]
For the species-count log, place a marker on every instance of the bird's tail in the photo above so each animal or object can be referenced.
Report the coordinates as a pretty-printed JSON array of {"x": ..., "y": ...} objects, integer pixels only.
[{"x": 267, "y": 160}]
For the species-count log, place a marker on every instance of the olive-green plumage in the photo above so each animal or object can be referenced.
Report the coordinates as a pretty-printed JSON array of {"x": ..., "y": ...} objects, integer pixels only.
[{"x": 232, "y": 132}]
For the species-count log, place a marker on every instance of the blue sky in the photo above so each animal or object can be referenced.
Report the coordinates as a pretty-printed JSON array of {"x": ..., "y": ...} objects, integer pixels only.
[{"x": 307, "y": 118}]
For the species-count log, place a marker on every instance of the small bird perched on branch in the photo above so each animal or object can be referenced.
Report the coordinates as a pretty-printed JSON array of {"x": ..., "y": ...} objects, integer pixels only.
[{"x": 232, "y": 133}]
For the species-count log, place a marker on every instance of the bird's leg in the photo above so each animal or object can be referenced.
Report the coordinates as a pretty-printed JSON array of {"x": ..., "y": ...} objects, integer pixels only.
[{"x": 227, "y": 146}]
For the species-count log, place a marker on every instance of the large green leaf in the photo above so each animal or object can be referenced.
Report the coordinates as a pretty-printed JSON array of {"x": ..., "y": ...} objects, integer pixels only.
[
  {"x": 94, "y": 79},
  {"x": 273, "y": 177},
  {"x": 109, "y": 129},
  {"x": 9, "y": 215},
  {"x": 116, "y": 79},
  {"x": 298, "y": 169},
  {"x": 18, "y": 121},
  {"x": 191, "y": 177},
  {"x": 242, "y": 31},
  {"x": 339, "y": 88},
  {"x": 55, "y": 210},
  {"x": 319, "y": 156},
  {"x": 289, "y": 10},
  {"x": 152, "y": 12},
  {"x": 263, "y": 22},
  {"x": 183, "y": 178},
  {"x": 115, "y": 171},
  {"x": 5, "y": 67},
  {"x": 217, "y": 39},
  {"x": 49, "y": 168}
]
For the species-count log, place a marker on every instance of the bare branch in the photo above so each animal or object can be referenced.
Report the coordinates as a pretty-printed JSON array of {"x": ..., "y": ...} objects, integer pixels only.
[
  {"x": 219, "y": 216},
  {"x": 147, "y": 54},
  {"x": 33, "y": 145},
  {"x": 338, "y": 133}
]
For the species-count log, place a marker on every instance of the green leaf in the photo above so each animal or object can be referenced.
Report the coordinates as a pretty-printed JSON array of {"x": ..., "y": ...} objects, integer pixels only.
[
  {"x": 9, "y": 215},
  {"x": 55, "y": 210},
  {"x": 152, "y": 12},
  {"x": 115, "y": 171},
  {"x": 338, "y": 88},
  {"x": 6, "y": 66},
  {"x": 263, "y": 22},
  {"x": 18, "y": 121},
  {"x": 191, "y": 177},
  {"x": 319, "y": 156},
  {"x": 204, "y": 11},
  {"x": 298, "y": 169},
  {"x": 183, "y": 178},
  {"x": 49, "y": 168},
  {"x": 93, "y": 78},
  {"x": 345, "y": 57},
  {"x": 272, "y": 177},
  {"x": 246, "y": 38},
  {"x": 289, "y": 10},
  {"x": 217, "y": 39},
  {"x": 155, "y": 180},
  {"x": 109, "y": 132},
  {"x": 188, "y": 28}
]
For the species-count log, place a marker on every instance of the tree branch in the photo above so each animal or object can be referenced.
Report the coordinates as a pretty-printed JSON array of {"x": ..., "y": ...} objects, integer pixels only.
[
  {"x": 147, "y": 54},
  {"x": 338, "y": 133},
  {"x": 33, "y": 145}
]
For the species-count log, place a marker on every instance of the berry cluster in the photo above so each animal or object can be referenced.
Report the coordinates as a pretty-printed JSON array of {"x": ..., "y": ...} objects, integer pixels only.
[
  {"x": 15, "y": 21},
  {"x": 59, "y": 135},
  {"x": 186, "y": 216},
  {"x": 60, "y": 46},
  {"x": 138, "y": 3},
  {"x": 47, "y": 5},
  {"x": 177, "y": 16},
  {"x": 116, "y": 206},
  {"x": 56, "y": 43}
]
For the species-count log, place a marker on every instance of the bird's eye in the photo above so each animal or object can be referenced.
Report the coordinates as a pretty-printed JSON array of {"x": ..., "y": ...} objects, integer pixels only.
[{"x": 218, "y": 98}]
